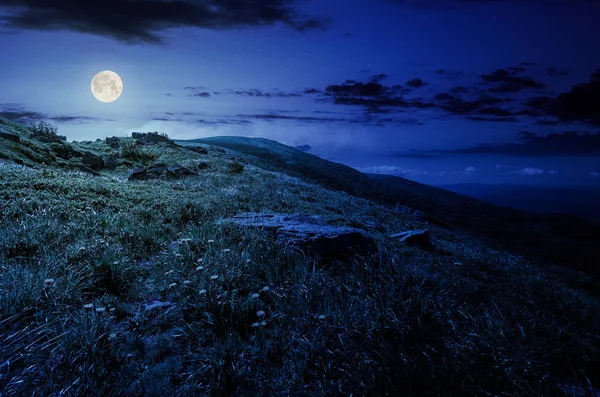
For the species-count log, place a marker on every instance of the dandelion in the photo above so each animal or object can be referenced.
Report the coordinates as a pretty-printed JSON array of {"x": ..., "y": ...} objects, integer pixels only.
[
  {"x": 265, "y": 289},
  {"x": 172, "y": 285},
  {"x": 88, "y": 306},
  {"x": 100, "y": 310},
  {"x": 187, "y": 282},
  {"x": 49, "y": 282},
  {"x": 115, "y": 263},
  {"x": 226, "y": 250},
  {"x": 214, "y": 277},
  {"x": 254, "y": 296},
  {"x": 199, "y": 268},
  {"x": 210, "y": 241},
  {"x": 260, "y": 313},
  {"x": 202, "y": 292}
]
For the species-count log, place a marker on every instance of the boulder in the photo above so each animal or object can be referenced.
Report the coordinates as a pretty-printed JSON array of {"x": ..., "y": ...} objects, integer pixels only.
[
  {"x": 150, "y": 137},
  {"x": 93, "y": 161},
  {"x": 64, "y": 151},
  {"x": 310, "y": 234},
  {"x": 113, "y": 142},
  {"x": 420, "y": 216},
  {"x": 415, "y": 238},
  {"x": 160, "y": 171},
  {"x": 110, "y": 162},
  {"x": 9, "y": 135}
]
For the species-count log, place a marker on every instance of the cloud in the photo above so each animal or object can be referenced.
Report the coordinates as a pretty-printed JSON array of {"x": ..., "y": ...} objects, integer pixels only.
[
  {"x": 455, "y": 104},
  {"x": 303, "y": 148},
  {"x": 528, "y": 171},
  {"x": 531, "y": 144},
  {"x": 503, "y": 81},
  {"x": 552, "y": 71},
  {"x": 392, "y": 170},
  {"x": 416, "y": 83},
  {"x": 266, "y": 94},
  {"x": 595, "y": 174},
  {"x": 581, "y": 103},
  {"x": 142, "y": 21},
  {"x": 17, "y": 112},
  {"x": 470, "y": 170}
]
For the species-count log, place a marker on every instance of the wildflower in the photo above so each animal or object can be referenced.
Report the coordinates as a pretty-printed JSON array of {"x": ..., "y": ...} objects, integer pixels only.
[
  {"x": 187, "y": 282},
  {"x": 185, "y": 240},
  {"x": 169, "y": 272},
  {"x": 88, "y": 306},
  {"x": 49, "y": 282},
  {"x": 321, "y": 317},
  {"x": 248, "y": 261},
  {"x": 200, "y": 260},
  {"x": 263, "y": 323},
  {"x": 112, "y": 309},
  {"x": 115, "y": 263},
  {"x": 210, "y": 241},
  {"x": 172, "y": 285},
  {"x": 214, "y": 277},
  {"x": 202, "y": 292},
  {"x": 255, "y": 325},
  {"x": 199, "y": 268},
  {"x": 178, "y": 255},
  {"x": 254, "y": 296},
  {"x": 265, "y": 289},
  {"x": 260, "y": 313},
  {"x": 226, "y": 250},
  {"x": 100, "y": 310},
  {"x": 457, "y": 264}
]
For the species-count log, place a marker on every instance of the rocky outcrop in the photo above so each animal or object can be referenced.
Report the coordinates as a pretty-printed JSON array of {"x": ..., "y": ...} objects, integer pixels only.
[
  {"x": 110, "y": 162},
  {"x": 150, "y": 137},
  {"x": 160, "y": 171},
  {"x": 310, "y": 234},
  {"x": 113, "y": 142},
  {"x": 93, "y": 161},
  {"x": 9, "y": 135},
  {"x": 415, "y": 238}
]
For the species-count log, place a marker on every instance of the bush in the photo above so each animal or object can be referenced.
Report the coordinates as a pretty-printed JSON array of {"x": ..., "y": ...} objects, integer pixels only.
[{"x": 44, "y": 129}]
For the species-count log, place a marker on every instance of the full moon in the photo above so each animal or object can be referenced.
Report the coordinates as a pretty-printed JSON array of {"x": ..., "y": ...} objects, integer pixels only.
[{"x": 107, "y": 86}]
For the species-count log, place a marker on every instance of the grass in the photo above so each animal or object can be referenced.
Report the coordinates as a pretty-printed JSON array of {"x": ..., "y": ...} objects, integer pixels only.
[{"x": 81, "y": 258}]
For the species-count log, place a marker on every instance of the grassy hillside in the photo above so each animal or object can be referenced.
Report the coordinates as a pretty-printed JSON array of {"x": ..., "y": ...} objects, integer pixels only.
[
  {"x": 111, "y": 287},
  {"x": 557, "y": 239}
]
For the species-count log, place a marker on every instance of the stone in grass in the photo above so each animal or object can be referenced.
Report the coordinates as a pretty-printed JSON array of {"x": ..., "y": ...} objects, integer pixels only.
[{"x": 415, "y": 238}]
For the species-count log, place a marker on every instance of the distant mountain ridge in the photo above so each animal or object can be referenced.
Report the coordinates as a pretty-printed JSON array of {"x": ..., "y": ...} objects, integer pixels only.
[{"x": 583, "y": 202}]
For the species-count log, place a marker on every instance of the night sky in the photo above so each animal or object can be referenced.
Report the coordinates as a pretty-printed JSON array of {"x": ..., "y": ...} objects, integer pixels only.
[{"x": 441, "y": 92}]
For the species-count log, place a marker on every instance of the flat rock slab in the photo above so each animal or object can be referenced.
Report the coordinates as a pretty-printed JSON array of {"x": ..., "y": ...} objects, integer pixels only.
[
  {"x": 418, "y": 238},
  {"x": 310, "y": 234}
]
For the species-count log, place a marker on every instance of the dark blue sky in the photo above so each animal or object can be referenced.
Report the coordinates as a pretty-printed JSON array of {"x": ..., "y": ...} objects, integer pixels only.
[{"x": 441, "y": 92}]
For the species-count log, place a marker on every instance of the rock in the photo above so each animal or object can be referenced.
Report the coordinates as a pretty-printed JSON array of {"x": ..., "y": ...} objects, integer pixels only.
[
  {"x": 157, "y": 305},
  {"x": 310, "y": 234},
  {"x": 418, "y": 238},
  {"x": 199, "y": 150},
  {"x": 80, "y": 167},
  {"x": 64, "y": 151},
  {"x": 10, "y": 136},
  {"x": 110, "y": 162},
  {"x": 93, "y": 161},
  {"x": 150, "y": 137},
  {"x": 160, "y": 171},
  {"x": 113, "y": 142}
]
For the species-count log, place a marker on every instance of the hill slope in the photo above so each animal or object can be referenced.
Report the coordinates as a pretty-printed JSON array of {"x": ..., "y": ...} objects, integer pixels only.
[
  {"x": 558, "y": 239},
  {"x": 114, "y": 287}
]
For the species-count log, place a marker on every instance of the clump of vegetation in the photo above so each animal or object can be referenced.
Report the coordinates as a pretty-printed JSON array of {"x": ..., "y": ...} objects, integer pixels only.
[
  {"x": 46, "y": 130},
  {"x": 130, "y": 150},
  {"x": 235, "y": 167}
]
